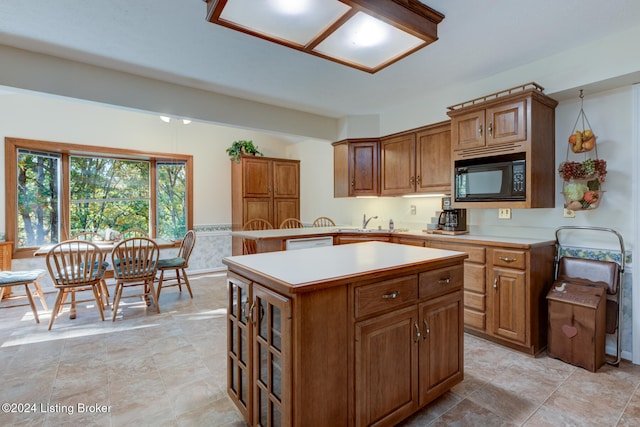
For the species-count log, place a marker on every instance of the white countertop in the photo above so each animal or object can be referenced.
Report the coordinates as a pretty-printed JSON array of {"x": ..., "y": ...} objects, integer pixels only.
[
  {"x": 292, "y": 233},
  {"x": 315, "y": 265}
]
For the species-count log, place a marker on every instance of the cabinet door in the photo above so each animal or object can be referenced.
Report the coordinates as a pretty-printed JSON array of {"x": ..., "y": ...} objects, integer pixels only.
[
  {"x": 256, "y": 180},
  {"x": 283, "y": 209},
  {"x": 386, "y": 367},
  {"x": 257, "y": 208},
  {"x": 363, "y": 168},
  {"x": 441, "y": 345},
  {"x": 467, "y": 130},
  {"x": 272, "y": 372},
  {"x": 506, "y": 123},
  {"x": 286, "y": 179},
  {"x": 398, "y": 165},
  {"x": 239, "y": 345},
  {"x": 433, "y": 160},
  {"x": 509, "y": 311}
]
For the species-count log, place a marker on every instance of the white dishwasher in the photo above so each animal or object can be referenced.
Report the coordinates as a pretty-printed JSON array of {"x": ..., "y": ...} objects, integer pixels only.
[{"x": 309, "y": 242}]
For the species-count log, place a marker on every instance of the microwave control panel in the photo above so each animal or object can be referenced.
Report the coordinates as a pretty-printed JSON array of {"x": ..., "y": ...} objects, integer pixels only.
[{"x": 519, "y": 178}]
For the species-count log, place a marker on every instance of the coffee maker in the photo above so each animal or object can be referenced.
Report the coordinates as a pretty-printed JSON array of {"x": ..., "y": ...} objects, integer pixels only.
[{"x": 452, "y": 219}]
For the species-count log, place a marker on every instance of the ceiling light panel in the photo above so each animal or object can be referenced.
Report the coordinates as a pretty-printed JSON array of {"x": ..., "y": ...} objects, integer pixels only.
[
  {"x": 368, "y": 41},
  {"x": 294, "y": 21}
]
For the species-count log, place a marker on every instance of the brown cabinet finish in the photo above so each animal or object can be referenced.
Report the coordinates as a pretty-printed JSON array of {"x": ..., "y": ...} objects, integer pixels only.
[
  {"x": 516, "y": 121},
  {"x": 355, "y": 165},
  {"x": 367, "y": 352},
  {"x": 417, "y": 161},
  {"x": 504, "y": 292},
  {"x": 263, "y": 187}
]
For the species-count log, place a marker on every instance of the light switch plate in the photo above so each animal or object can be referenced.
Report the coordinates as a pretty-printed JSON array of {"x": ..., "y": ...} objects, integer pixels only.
[
  {"x": 568, "y": 213},
  {"x": 504, "y": 213},
  {"x": 413, "y": 209}
]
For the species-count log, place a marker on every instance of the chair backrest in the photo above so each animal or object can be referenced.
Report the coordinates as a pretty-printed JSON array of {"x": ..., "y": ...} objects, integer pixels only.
[
  {"x": 186, "y": 247},
  {"x": 323, "y": 221},
  {"x": 135, "y": 259},
  {"x": 291, "y": 223},
  {"x": 134, "y": 232},
  {"x": 258, "y": 224},
  {"x": 90, "y": 236},
  {"x": 75, "y": 263}
]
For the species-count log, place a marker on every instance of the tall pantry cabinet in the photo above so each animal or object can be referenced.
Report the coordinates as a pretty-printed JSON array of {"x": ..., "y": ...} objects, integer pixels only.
[{"x": 263, "y": 187}]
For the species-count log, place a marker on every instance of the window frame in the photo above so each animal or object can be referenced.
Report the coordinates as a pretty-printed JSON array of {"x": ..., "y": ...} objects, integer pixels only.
[{"x": 11, "y": 146}]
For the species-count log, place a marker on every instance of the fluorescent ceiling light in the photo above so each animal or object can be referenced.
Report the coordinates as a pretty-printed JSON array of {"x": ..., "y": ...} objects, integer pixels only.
[{"x": 365, "y": 34}]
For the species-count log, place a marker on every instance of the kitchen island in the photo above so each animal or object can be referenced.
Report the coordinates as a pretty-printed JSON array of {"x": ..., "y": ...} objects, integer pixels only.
[{"x": 349, "y": 335}]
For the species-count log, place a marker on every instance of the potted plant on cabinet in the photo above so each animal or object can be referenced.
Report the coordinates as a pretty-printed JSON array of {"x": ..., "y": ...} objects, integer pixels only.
[{"x": 242, "y": 147}]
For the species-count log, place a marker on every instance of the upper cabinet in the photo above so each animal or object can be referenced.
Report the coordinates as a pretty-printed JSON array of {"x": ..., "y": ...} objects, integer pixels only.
[
  {"x": 417, "y": 161},
  {"x": 355, "y": 166},
  {"x": 519, "y": 121}
]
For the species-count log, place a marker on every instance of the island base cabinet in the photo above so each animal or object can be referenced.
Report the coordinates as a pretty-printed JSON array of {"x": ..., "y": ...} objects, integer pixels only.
[
  {"x": 441, "y": 356},
  {"x": 258, "y": 359},
  {"x": 386, "y": 355}
]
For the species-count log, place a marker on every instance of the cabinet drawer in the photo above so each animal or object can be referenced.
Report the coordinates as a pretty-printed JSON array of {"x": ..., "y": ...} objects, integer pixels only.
[
  {"x": 509, "y": 258},
  {"x": 475, "y": 301},
  {"x": 441, "y": 281},
  {"x": 382, "y": 296},
  {"x": 475, "y": 277},
  {"x": 474, "y": 319},
  {"x": 476, "y": 253}
]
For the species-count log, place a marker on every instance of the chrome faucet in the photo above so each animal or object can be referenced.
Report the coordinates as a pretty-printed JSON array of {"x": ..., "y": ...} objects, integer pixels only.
[{"x": 365, "y": 221}]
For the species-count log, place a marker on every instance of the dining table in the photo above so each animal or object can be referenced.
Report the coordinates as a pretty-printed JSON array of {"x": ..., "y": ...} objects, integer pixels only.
[{"x": 105, "y": 246}]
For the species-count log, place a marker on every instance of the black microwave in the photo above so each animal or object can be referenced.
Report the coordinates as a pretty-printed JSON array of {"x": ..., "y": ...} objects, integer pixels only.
[{"x": 491, "y": 179}]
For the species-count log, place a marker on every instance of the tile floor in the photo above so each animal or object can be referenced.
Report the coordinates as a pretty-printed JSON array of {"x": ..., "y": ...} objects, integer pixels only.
[{"x": 170, "y": 369}]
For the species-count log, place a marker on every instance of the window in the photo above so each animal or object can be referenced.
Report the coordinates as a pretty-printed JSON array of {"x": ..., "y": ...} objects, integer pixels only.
[{"x": 54, "y": 191}]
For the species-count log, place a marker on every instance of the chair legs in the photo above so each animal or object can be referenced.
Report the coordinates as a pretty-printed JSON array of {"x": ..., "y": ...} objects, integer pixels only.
[
  {"x": 30, "y": 294},
  {"x": 149, "y": 289},
  {"x": 61, "y": 299},
  {"x": 179, "y": 284}
]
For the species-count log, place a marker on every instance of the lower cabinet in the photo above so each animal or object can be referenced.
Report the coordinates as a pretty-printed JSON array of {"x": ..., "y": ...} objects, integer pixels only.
[
  {"x": 408, "y": 357},
  {"x": 504, "y": 292},
  {"x": 367, "y": 353},
  {"x": 258, "y": 359}
]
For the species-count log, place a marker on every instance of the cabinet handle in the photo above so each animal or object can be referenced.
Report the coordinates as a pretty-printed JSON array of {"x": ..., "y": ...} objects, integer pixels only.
[
  {"x": 251, "y": 319},
  {"x": 392, "y": 295},
  {"x": 418, "y": 180},
  {"x": 426, "y": 329},
  {"x": 507, "y": 259},
  {"x": 412, "y": 180},
  {"x": 353, "y": 183},
  {"x": 495, "y": 283},
  {"x": 445, "y": 281},
  {"x": 417, "y": 331},
  {"x": 490, "y": 129},
  {"x": 480, "y": 131}
]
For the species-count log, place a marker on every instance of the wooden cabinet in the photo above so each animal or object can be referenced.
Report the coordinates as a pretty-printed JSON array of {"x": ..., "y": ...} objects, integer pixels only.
[
  {"x": 258, "y": 356},
  {"x": 504, "y": 292},
  {"x": 517, "y": 121},
  {"x": 417, "y": 161},
  {"x": 263, "y": 187},
  {"x": 343, "y": 239},
  {"x": 360, "y": 349},
  {"x": 408, "y": 344},
  {"x": 356, "y": 167},
  {"x": 5, "y": 263}
]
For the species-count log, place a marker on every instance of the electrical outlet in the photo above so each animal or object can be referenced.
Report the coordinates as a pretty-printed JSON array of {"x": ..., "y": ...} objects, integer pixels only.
[
  {"x": 568, "y": 213},
  {"x": 504, "y": 213},
  {"x": 413, "y": 209}
]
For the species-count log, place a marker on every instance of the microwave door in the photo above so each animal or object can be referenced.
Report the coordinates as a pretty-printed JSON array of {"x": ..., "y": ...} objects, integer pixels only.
[{"x": 482, "y": 183}]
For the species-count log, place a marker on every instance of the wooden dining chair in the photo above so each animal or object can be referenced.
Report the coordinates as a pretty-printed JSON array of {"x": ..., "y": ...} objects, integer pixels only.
[
  {"x": 249, "y": 245},
  {"x": 134, "y": 232},
  {"x": 291, "y": 223},
  {"x": 179, "y": 264},
  {"x": 76, "y": 266},
  {"x": 135, "y": 263},
  {"x": 90, "y": 236},
  {"x": 19, "y": 278},
  {"x": 323, "y": 221}
]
